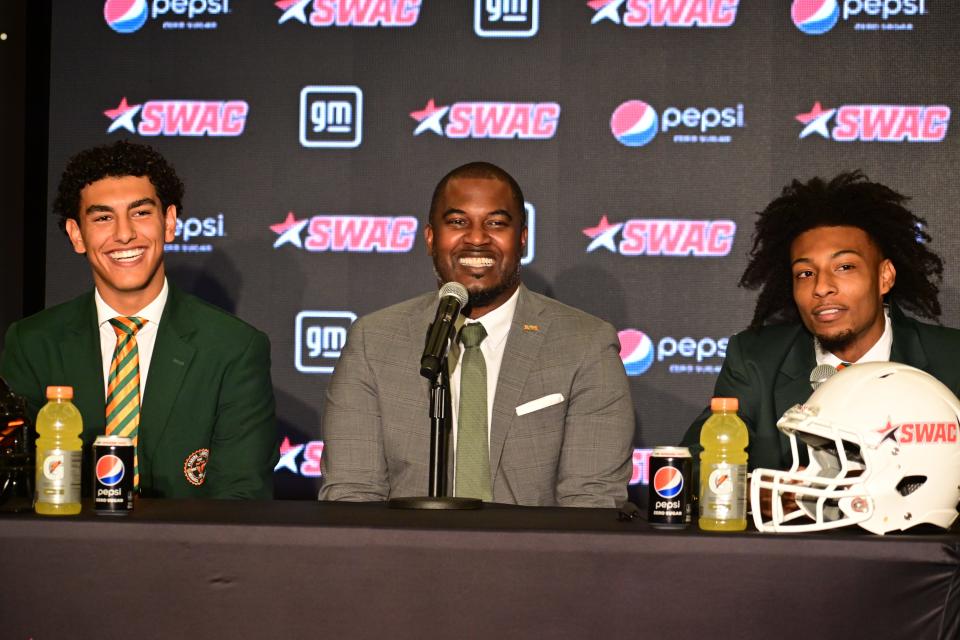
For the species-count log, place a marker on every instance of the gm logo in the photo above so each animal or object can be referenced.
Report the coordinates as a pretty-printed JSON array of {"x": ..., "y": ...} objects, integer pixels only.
[
  {"x": 506, "y": 18},
  {"x": 529, "y": 252},
  {"x": 320, "y": 338},
  {"x": 331, "y": 116}
]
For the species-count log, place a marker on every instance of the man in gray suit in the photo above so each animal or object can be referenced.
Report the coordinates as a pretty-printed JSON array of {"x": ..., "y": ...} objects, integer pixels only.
[{"x": 541, "y": 406}]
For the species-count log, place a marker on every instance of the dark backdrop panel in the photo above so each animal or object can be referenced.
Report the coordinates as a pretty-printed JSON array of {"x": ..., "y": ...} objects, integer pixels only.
[{"x": 726, "y": 97}]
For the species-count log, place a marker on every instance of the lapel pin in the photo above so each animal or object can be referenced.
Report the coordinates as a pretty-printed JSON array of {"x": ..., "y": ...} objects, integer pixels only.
[
  {"x": 531, "y": 327},
  {"x": 178, "y": 361}
]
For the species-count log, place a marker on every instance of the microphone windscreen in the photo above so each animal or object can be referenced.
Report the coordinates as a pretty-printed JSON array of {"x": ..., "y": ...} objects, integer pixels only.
[
  {"x": 820, "y": 374},
  {"x": 456, "y": 290}
]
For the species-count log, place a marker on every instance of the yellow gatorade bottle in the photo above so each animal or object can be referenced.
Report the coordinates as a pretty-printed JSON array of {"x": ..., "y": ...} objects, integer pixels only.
[
  {"x": 723, "y": 468},
  {"x": 59, "y": 451}
]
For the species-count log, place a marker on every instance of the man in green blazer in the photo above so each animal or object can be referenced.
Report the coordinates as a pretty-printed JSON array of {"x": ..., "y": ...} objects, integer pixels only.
[
  {"x": 201, "y": 402},
  {"x": 835, "y": 262}
]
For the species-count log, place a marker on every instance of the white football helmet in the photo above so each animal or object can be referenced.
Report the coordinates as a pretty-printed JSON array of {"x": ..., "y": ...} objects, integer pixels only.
[{"x": 884, "y": 448}]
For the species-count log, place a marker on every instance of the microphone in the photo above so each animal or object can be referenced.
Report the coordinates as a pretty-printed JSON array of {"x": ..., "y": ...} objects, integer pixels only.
[
  {"x": 820, "y": 374},
  {"x": 453, "y": 297}
]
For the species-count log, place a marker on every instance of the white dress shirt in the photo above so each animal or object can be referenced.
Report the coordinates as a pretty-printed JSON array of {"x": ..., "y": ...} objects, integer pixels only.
[
  {"x": 146, "y": 337},
  {"x": 879, "y": 352}
]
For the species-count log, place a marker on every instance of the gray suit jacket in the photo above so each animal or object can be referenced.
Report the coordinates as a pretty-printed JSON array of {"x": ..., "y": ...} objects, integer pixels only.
[{"x": 576, "y": 453}]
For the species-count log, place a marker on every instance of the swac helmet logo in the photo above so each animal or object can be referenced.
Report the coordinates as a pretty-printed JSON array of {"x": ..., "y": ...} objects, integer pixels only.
[
  {"x": 815, "y": 17},
  {"x": 125, "y": 16},
  {"x": 109, "y": 470},
  {"x": 636, "y": 351},
  {"x": 634, "y": 123},
  {"x": 668, "y": 482}
]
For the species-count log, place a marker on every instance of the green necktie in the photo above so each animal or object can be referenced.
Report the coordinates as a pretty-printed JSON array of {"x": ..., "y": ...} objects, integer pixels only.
[{"x": 473, "y": 452}]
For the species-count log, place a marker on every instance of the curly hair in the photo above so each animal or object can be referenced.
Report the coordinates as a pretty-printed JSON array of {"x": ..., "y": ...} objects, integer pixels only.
[
  {"x": 115, "y": 161},
  {"x": 849, "y": 199}
]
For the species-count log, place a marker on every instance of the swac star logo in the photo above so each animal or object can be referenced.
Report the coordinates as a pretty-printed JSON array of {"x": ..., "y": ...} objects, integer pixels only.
[
  {"x": 888, "y": 431},
  {"x": 603, "y": 235},
  {"x": 288, "y": 455},
  {"x": 122, "y": 116},
  {"x": 429, "y": 118},
  {"x": 816, "y": 121},
  {"x": 289, "y": 231},
  {"x": 293, "y": 10},
  {"x": 606, "y": 10}
]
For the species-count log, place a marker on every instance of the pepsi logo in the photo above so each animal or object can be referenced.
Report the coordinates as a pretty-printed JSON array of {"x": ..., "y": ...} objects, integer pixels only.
[
  {"x": 109, "y": 470},
  {"x": 634, "y": 123},
  {"x": 125, "y": 16},
  {"x": 815, "y": 17},
  {"x": 668, "y": 482},
  {"x": 636, "y": 351}
]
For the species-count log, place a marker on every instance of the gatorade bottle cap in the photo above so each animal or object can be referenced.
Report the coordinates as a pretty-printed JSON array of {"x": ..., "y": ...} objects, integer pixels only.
[
  {"x": 62, "y": 393},
  {"x": 724, "y": 404}
]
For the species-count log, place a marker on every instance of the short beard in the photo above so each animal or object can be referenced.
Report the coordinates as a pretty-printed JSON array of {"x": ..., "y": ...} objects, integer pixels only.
[
  {"x": 836, "y": 343},
  {"x": 484, "y": 297}
]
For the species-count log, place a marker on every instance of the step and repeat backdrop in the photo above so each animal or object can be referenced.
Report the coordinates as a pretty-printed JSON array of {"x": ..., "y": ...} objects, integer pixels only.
[{"x": 645, "y": 134}]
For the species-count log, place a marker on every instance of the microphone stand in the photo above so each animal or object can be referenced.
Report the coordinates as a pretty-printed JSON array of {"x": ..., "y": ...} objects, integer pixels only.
[{"x": 439, "y": 444}]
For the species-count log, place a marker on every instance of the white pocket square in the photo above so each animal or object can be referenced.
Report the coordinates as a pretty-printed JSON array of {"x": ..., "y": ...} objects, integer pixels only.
[{"x": 539, "y": 403}]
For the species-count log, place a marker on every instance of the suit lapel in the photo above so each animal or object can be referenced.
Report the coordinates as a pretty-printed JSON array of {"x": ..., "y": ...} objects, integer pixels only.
[
  {"x": 521, "y": 351},
  {"x": 172, "y": 356},
  {"x": 793, "y": 380},
  {"x": 83, "y": 364}
]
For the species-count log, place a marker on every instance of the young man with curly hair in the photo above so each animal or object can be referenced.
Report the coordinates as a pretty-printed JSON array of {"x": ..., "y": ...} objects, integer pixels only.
[
  {"x": 835, "y": 262},
  {"x": 189, "y": 383}
]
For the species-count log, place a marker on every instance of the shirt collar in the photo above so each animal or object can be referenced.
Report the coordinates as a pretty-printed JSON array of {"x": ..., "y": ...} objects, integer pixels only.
[
  {"x": 151, "y": 313},
  {"x": 497, "y": 322},
  {"x": 879, "y": 352}
]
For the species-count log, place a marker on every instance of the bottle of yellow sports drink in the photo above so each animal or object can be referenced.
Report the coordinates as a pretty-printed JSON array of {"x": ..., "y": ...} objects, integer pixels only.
[
  {"x": 59, "y": 448},
  {"x": 723, "y": 468}
]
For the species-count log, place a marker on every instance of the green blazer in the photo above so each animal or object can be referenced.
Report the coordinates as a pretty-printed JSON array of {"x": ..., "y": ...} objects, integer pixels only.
[
  {"x": 768, "y": 370},
  {"x": 208, "y": 392}
]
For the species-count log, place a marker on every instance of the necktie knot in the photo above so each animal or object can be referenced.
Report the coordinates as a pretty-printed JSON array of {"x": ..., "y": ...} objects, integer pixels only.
[
  {"x": 842, "y": 366},
  {"x": 127, "y": 325},
  {"x": 471, "y": 335}
]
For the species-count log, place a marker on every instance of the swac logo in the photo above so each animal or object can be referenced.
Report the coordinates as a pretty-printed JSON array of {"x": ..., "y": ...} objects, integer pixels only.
[
  {"x": 363, "y": 234},
  {"x": 180, "y": 117},
  {"x": 636, "y": 351},
  {"x": 668, "y": 482},
  {"x": 664, "y": 237},
  {"x": 320, "y": 337},
  {"x": 506, "y": 18},
  {"x": 109, "y": 470},
  {"x": 927, "y": 432},
  {"x": 634, "y": 123},
  {"x": 666, "y": 13},
  {"x": 351, "y": 13},
  {"x": 815, "y": 17},
  {"x": 877, "y": 122},
  {"x": 497, "y": 120},
  {"x": 125, "y": 16},
  {"x": 312, "y": 452}
]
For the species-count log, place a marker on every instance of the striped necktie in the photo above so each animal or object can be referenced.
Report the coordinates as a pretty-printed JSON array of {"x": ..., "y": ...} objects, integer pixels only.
[
  {"x": 123, "y": 385},
  {"x": 473, "y": 451}
]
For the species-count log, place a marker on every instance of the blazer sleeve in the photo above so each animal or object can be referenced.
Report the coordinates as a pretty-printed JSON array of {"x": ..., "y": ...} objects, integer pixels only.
[
  {"x": 16, "y": 370},
  {"x": 353, "y": 460},
  {"x": 596, "y": 456},
  {"x": 244, "y": 441}
]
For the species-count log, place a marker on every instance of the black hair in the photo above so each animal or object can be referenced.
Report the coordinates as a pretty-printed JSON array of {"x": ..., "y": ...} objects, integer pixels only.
[{"x": 482, "y": 170}]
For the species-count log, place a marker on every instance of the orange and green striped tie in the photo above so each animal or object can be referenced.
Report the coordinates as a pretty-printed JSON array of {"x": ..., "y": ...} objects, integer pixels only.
[{"x": 123, "y": 385}]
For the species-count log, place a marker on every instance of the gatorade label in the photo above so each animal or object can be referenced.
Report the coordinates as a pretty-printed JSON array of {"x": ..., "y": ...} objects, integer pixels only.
[
  {"x": 725, "y": 495},
  {"x": 59, "y": 479}
]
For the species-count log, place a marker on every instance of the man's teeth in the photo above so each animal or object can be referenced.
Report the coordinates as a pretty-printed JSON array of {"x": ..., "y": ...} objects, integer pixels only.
[
  {"x": 127, "y": 255},
  {"x": 476, "y": 262},
  {"x": 828, "y": 312}
]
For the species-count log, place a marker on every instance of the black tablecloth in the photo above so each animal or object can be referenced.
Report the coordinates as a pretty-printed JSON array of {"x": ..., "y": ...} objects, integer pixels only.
[{"x": 185, "y": 569}]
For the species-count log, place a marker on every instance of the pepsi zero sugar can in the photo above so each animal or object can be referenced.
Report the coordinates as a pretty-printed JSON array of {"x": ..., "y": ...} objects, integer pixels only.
[
  {"x": 113, "y": 475},
  {"x": 669, "y": 494}
]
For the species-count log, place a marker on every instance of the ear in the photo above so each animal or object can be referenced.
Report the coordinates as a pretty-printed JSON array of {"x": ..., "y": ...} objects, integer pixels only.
[
  {"x": 428, "y": 238},
  {"x": 76, "y": 238},
  {"x": 169, "y": 223},
  {"x": 523, "y": 241},
  {"x": 888, "y": 276}
]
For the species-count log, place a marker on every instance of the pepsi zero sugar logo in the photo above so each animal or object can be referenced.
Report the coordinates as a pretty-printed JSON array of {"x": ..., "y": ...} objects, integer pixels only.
[
  {"x": 193, "y": 234},
  {"x": 816, "y": 17},
  {"x": 128, "y": 16},
  {"x": 221, "y": 118},
  {"x": 363, "y": 234},
  {"x": 877, "y": 122},
  {"x": 665, "y": 13},
  {"x": 350, "y": 13},
  {"x": 668, "y": 482},
  {"x": 496, "y": 120},
  {"x": 683, "y": 355},
  {"x": 109, "y": 470},
  {"x": 635, "y": 123},
  {"x": 663, "y": 237}
]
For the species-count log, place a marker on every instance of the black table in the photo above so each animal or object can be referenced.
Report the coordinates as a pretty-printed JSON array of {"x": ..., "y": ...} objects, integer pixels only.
[{"x": 190, "y": 569}]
